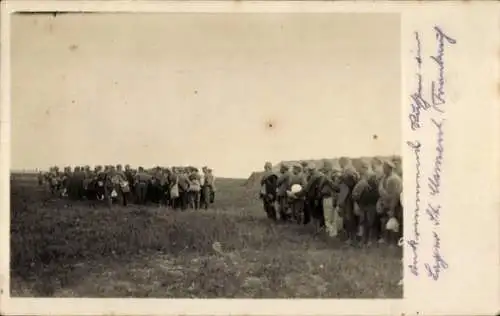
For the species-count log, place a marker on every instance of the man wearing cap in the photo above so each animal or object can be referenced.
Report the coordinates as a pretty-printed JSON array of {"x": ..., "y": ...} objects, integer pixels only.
[
  {"x": 87, "y": 181},
  {"x": 173, "y": 188},
  {"x": 328, "y": 191},
  {"x": 337, "y": 221},
  {"x": 154, "y": 185},
  {"x": 281, "y": 188},
  {"x": 297, "y": 200},
  {"x": 364, "y": 169},
  {"x": 141, "y": 185},
  {"x": 77, "y": 183},
  {"x": 388, "y": 205},
  {"x": 194, "y": 188},
  {"x": 130, "y": 176},
  {"x": 398, "y": 167},
  {"x": 205, "y": 190},
  {"x": 268, "y": 185},
  {"x": 347, "y": 167},
  {"x": 208, "y": 187},
  {"x": 69, "y": 182},
  {"x": 349, "y": 178},
  {"x": 53, "y": 179},
  {"x": 210, "y": 180},
  {"x": 304, "y": 173},
  {"x": 376, "y": 165},
  {"x": 112, "y": 184},
  {"x": 40, "y": 178},
  {"x": 313, "y": 203},
  {"x": 66, "y": 180},
  {"x": 165, "y": 186},
  {"x": 183, "y": 184},
  {"x": 99, "y": 187},
  {"x": 365, "y": 194}
]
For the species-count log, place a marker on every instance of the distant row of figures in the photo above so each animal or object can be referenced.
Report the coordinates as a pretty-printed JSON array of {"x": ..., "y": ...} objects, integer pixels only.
[{"x": 177, "y": 187}]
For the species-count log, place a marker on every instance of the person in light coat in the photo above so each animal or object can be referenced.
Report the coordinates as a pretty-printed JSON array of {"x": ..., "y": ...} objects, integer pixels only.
[
  {"x": 194, "y": 189},
  {"x": 329, "y": 188}
]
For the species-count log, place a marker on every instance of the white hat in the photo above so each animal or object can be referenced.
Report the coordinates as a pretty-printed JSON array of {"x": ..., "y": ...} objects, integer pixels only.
[
  {"x": 392, "y": 224},
  {"x": 296, "y": 188}
]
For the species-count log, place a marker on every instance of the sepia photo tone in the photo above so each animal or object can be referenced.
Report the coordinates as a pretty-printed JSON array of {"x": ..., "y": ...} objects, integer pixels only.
[{"x": 206, "y": 155}]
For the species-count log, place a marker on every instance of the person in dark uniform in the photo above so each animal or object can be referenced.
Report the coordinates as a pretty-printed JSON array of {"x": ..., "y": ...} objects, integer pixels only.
[
  {"x": 141, "y": 185},
  {"x": 268, "y": 192}
]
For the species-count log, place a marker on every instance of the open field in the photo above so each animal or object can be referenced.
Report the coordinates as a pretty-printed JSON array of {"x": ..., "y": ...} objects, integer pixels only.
[{"x": 233, "y": 250}]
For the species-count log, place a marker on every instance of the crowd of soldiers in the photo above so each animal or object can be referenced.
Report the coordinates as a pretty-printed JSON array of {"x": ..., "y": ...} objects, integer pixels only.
[
  {"x": 357, "y": 206},
  {"x": 364, "y": 206},
  {"x": 176, "y": 187}
]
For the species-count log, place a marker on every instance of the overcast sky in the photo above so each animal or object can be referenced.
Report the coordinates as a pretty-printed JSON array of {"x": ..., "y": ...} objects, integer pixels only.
[{"x": 203, "y": 89}]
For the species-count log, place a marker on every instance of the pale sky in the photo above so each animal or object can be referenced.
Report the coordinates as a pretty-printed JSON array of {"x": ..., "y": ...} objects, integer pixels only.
[{"x": 200, "y": 89}]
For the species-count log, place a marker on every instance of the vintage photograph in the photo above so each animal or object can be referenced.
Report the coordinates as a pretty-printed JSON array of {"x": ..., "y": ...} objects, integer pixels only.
[{"x": 206, "y": 155}]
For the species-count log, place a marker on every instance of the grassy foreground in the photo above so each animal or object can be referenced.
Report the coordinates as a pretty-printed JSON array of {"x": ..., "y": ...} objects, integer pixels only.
[{"x": 233, "y": 251}]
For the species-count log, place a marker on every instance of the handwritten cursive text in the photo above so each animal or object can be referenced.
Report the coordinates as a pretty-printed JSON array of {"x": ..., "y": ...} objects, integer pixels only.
[
  {"x": 434, "y": 181},
  {"x": 428, "y": 108},
  {"x": 413, "y": 243},
  {"x": 438, "y": 92}
]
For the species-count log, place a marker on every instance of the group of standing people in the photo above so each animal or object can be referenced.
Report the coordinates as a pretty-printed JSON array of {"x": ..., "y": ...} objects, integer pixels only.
[
  {"x": 176, "y": 187},
  {"x": 364, "y": 206}
]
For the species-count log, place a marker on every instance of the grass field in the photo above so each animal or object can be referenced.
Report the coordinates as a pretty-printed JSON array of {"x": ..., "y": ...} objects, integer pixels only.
[{"x": 233, "y": 251}]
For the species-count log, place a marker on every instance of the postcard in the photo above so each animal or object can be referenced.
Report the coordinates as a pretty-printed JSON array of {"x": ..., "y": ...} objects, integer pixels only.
[{"x": 253, "y": 158}]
